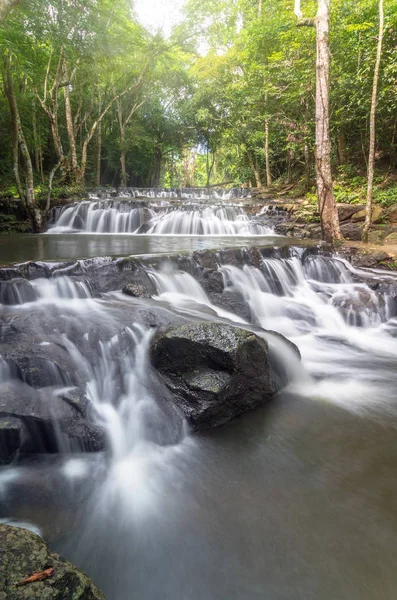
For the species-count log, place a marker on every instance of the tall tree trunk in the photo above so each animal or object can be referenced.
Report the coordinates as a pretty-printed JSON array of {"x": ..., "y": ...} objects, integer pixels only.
[
  {"x": 372, "y": 126},
  {"x": 99, "y": 141},
  {"x": 70, "y": 130},
  {"x": 254, "y": 169},
  {"x": 35, "y": 139},
  {"x": 51, "y": 109},
  {"x": 122, "y": 157},
  {"x": 26, "y": 192},
  {"x": 325, "y": 192},
  {"x": 267, "y": 160},
  {"x": 326, "y": 200}
]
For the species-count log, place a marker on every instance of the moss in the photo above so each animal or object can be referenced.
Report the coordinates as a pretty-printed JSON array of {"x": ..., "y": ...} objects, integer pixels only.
[{"x": 23, "y": 553}]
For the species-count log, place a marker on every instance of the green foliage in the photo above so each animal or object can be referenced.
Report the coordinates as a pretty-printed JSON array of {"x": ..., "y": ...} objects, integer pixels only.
[{"x": 203, "y": 96}]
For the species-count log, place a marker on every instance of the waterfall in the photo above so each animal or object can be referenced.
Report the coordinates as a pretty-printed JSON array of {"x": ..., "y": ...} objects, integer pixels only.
[
  {"x": 158, "y": 495},
  {"x": 117, "y": 217},
  {"x": 101, "y": 217},
  {"x": 21, "y": 291},
  {"x": 207, "y": 221}
]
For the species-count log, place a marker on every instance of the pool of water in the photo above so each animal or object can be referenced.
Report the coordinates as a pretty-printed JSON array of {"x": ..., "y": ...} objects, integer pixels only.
[{"x": 24, "y": 247}]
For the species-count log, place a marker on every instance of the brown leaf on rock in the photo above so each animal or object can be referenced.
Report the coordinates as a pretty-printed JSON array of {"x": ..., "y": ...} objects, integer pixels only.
[{"x": 37, "y": 577}]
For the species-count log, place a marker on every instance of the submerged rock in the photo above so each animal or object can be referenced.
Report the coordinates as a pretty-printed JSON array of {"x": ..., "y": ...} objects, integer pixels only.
[
  {"x": 215, "y": 371},
  {"x": 22, "y": 554}
]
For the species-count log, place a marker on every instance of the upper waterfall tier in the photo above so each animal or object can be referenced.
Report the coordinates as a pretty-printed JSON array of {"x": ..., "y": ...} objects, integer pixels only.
[{"x": 121, "y": 216}]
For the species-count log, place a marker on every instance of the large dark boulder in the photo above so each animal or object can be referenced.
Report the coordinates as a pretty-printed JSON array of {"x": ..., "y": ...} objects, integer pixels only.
[
  {"x": 215, "y": 371},
  {"x": 22, "y": 554}
]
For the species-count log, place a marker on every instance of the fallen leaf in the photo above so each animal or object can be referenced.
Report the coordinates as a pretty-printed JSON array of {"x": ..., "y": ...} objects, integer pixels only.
[{"x": 37, "y": 577}]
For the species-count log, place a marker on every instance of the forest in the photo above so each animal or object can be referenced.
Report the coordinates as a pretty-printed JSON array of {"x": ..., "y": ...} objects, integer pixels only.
[
  {"x": 198, "y": 299},
  {"x": 227, "y": 97}
]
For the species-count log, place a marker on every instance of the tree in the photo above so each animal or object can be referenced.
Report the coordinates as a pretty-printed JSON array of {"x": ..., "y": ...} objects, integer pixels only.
[
  {"x": 5, "y": 7},
  {"x": 326, "y": 200},
  {"x": 372, "y": 126},
  {"x": 23, "y": 172}
]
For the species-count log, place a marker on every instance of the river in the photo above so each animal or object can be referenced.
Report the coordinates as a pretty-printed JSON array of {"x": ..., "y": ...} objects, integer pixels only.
[{"x": 292, "y": 501}]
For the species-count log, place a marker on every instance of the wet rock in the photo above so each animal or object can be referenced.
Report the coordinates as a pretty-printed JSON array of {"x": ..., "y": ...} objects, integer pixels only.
[
  {"x": 212, "y": 281},
  {"x": 255, "y": 257},
  {"x": 230, "y": 256},
  {"x": 40, "y": 364},
  {"x": 136, "y": 291},
  {"x": 206, "y": 259},
  {"x": 6, "y": 274},
  {"x": 377, "y": 215},
  {"x": 52, "y": 422},
  {"x": 214, "y": 371},
  {"x": 35, "y": 270},
  {"x": 358, "y": 306},
  {"x": 111, "y": 275},
  {"x": 16, "y": 291},
  {"x": 23, "y": 553},
  {"x": 233, "y": 301},
  {"x": 11, "y": 430}
]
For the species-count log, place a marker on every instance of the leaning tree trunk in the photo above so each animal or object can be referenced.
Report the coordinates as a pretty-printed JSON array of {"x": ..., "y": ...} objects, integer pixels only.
[
  {"x": 372, "y": 126},
  {"x": 267, "y": 158},
  {"x": 326, "y": 200}
]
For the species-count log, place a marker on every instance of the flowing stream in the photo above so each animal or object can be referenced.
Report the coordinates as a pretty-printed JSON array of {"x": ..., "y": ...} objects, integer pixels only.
[{"x": 294, "y": 500}]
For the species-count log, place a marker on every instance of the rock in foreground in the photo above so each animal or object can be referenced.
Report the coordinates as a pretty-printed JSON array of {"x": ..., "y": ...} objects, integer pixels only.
[
  {"x": 23, "y": 553},
  {"x": 215, "y": 371}
]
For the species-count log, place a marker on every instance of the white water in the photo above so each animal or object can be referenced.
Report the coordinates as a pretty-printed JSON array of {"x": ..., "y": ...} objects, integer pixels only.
[
  {"x": 221, "y": 517},
  {"x": 118, "y": 217}
]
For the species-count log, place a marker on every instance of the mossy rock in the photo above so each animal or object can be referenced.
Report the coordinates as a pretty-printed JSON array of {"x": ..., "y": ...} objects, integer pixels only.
[
  {"x": 377, "y": 215},
  {"x": 22, "y": 554}
]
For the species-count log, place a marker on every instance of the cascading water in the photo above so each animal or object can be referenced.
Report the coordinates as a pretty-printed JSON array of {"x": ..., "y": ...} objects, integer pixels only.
[
  {"x": 228, "y": 514},
  {"x": 124, "y": 217}
]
